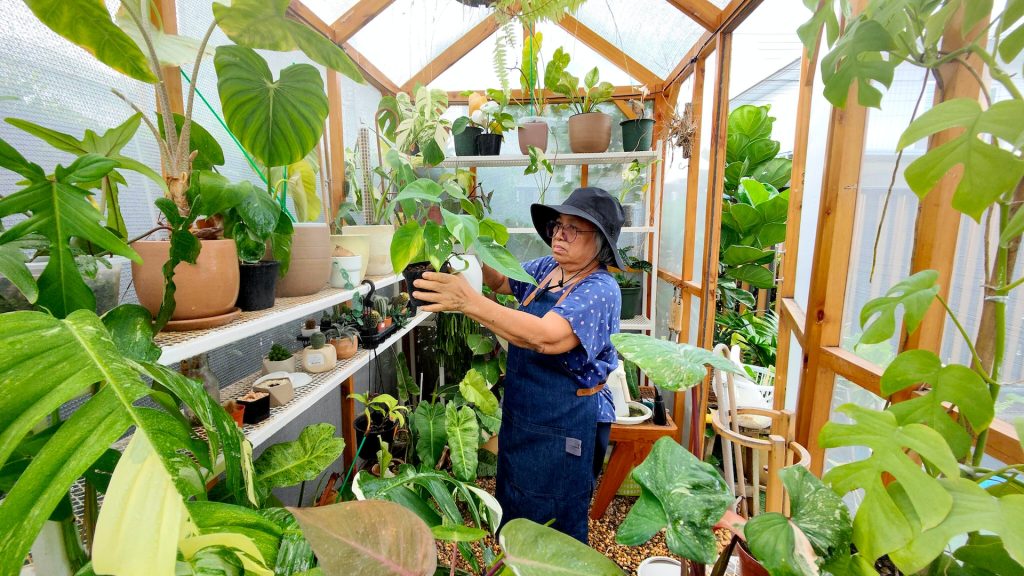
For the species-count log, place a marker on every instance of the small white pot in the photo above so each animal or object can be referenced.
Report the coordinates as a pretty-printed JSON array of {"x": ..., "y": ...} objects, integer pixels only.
[
  {"x": 279, "y": 365},
  {"x": 358, "y": 244},
  {"x": 469, "y": 266},
  {"x": 659, "y": 566},
  {"x": 346, "y": 271},
  {"x": 380, "y": 247}
]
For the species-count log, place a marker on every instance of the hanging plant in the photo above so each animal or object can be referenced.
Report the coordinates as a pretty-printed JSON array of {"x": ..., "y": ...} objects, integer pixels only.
[{"x": 530, "y": 12}]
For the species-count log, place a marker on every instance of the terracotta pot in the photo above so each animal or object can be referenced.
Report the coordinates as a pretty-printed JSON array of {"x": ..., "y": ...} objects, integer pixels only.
[
  {"x": 310, "y": 267},
  {"x": 345, "y": 347},
  {"x": 590, "y": 133},
  {"x": 237, "y": 412},
  {"x": 533, "y": 133},
  {"x": 207, "y": 288},
  {"x": 387, "y": 322},
  {"x": 380, "y": 247},
  {"x": 491, "y": 445},
  {"x": 358, "y": 244},
  {"x": 748, "y": 565}
]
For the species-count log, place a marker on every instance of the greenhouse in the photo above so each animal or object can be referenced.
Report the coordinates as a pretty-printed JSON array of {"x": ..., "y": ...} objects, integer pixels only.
[{"x": 511, "y": 287}]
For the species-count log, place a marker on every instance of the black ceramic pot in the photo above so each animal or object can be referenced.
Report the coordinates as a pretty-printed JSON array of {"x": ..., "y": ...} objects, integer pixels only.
[
  {"x": 631, "y": 297},
  {"x": 256, "y": 285},
  {"x": 380, "y": 430},
  {"x": 489, "y": 144}
]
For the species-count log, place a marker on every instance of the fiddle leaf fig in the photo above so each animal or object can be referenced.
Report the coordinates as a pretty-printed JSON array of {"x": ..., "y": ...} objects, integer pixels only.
[
  {"x": 914, "y": 294},
  {"x": 988, "y": 170},
  {"x": 670, "y": 365}
]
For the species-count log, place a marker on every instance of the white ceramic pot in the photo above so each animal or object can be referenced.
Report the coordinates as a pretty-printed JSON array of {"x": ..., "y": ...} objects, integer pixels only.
[
  {"x": 358, "y": 244},
  {"x": 469, "y": 266},
  {"x": 346, "y": 271},
  {"x": 659, "y": 566},
  {"x": 106, "y": 286},
  {"x": 279, "y": 365},
  {"x": 380, "y": 247}
]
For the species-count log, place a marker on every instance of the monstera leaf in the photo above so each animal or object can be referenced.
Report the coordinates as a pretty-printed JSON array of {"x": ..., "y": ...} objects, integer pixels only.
[
  {"x": 535, "y": 550},
  {"x": 431, "y": 435},
  {"x": 682, "y": 494},
  {"x": 288, "y": 463},
  {"x": 671, "y": 366},
  {"x": 463, "y": 440},
  {"x": 278, "y": 121},
  {"x": 914, "y": 294}
]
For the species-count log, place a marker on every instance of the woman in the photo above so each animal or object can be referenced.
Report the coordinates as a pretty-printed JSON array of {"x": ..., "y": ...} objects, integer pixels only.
[{"x": 559, "y": 355}]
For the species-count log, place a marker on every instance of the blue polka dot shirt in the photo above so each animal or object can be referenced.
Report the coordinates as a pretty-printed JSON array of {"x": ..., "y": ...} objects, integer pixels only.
[{"x": 592, "y": 309}]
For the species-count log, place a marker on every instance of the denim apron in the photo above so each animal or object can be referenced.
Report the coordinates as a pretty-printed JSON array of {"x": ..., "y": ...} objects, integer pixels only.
[{"x": 547, "y": 436}]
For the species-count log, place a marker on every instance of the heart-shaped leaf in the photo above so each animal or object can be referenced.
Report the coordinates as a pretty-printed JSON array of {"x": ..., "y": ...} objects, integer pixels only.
[
  {"x": 535, "y": 550},
  {"x": 463, "y": 441},
  {"x": 431, "y": 435},
  {"x": 406, "y": 245},
  {"x": 670, "y": 365},
  {"x": 303, "y": 459}
]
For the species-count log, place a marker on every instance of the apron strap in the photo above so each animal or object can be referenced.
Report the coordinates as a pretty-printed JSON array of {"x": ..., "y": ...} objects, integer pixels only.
[
  {"x": 541, "y": 286},
  {"x": 590, "y": 391},
  {"x": 572, "y": 286}
]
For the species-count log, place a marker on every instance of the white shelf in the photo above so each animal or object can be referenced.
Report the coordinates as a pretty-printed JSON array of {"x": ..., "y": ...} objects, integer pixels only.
[
  {"x": 557, "y": 159},
  {"x": 636, "y": 324},
  {"x": 178, "y": 346},
  {"x": 310, "y": 394},
  {"x": 626, "y": 230}
]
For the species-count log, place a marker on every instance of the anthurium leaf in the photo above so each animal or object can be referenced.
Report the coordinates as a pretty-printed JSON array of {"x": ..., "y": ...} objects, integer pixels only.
[
  {"x": 857, "y": 57},
  {"x": 956, "y": 385},
  {"x": 278, "y": 121},
  {"x": 756, "y": 276},
  {"x": 88, "y": 24},
  {"x": 131, "y": 327},
  {"x": 914, "y": 294},
  {"x": 988, "y": 553},
  {"x": 437, "y": 244},
  {"x": 988, "y": 171},
  {"x": 14, "y": 269},
  {"x": 475, "y": 390},
  {"x": 458, "y": 533},
  {"x": 406, "y": 244},
  {"x": 670, "y": 365},
  {"x": 736, "y": 255},
  {"x": 535, "y": 550},
  {"x": 972, "y": 510},
  {"x": 463, "y": 440},
  {"x": 371, "y": 537},
  {"x": 889, "y": 444},
  {"x": 463, "y": 227},
  {"x": 209, "y": 152},
  {"x": 498, "y": 257},
  {"x": 303, "y": 459},
  {"x": 431, "y": 435},
  {"x": 692, "y": 495},
  {"x": 779, "y": 546}
]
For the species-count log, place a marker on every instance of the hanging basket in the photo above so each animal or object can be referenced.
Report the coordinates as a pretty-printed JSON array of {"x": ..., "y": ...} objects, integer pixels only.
[{"x": 477, "y": 3}]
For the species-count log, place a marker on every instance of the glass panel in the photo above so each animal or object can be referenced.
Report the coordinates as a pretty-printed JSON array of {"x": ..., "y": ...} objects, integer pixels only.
[
  {"x": 475, "y": 70},
  {"x": 673, "y": 202},
  {"x": 793, "y": 370},
  {"x": 582, "y": 57},
  {"x": 665, "y": 291},
  {"x": 329, "y": 10},
  {"x": 694, "y": 320},
  {"x": 706, "y": 121},
  {"x": 817, "y": 145},
  {"x": 895, "y": 243},
  {"x": 658, "y": 40},
  {"x": 766, "y": 42},
  {"x": 407, "y": 35}
]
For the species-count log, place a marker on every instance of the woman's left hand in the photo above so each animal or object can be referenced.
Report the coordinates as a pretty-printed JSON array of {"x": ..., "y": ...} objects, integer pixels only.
[{"x": 445, "y": 292}]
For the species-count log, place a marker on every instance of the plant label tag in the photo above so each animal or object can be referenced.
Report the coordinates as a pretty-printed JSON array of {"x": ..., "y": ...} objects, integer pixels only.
[
  {"x": 314, "y": 360},
  {"x": 574, "y": 446}
]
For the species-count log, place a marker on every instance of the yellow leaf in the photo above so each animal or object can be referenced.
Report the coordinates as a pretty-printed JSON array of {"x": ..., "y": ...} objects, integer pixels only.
[
  {"x": 476, "y": 100},
  {"x": 251, "y": 558},
  {"x": 303, "y": 190}
]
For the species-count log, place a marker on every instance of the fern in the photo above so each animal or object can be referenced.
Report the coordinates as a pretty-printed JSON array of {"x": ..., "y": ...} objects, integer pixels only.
[
  {"x": 502, "y": 41},
  {"x": 533, "y": 11}
]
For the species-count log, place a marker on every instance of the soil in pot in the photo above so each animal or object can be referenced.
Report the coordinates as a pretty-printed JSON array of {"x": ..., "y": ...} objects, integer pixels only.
[
  {"x": 465, "y": 141},
  {"x": 256, "y": 285},
  {"x": 631, "y": 300},
  {"x": 489, "y": 144},
  {"x": 590, "y": 133},
  {"x": 533, "y": 134},
  {"x": 637, "y": 134},
  {"x": 381, "y": 429}
]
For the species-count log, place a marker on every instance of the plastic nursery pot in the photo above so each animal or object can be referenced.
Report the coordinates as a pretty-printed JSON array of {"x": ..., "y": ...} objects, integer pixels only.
[
  {"x": 637, "y": 134},
  {"x": 533, "y": 133},
  {"x": 489, "y": 144},
  {"x": 748, "y": 565},
  {"x": 256, "y": 285},
  {"x": 465, "y": 141},
  {"x": 382, "y": 429},
  {"x": 631, "y": 297},
  {"x": 257, "y": 407},
  {"x": 412, "y": 273},
  {"x": 590, "y": 133}
]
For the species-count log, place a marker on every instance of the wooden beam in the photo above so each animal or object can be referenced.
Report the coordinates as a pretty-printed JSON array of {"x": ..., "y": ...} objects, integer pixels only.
[
  {"x": 625, "y": 108},
  {"x": 795, "y": 317},
  {"x": 700, "y": 11},
  {"x": 518, "y": 97},
  {"x": 336, "y": 144},
  {"x": 736, "y": 12},
  {"x": 700, "y": 51},
  {"x": 605, "y": 48},
  {"x": 692, "y": 182},
  {"x": 356, "y": 17},
  {"x": 453, "y": 53},
  {"x": 172, "y": 74},
  {"x": 864, "y": 373}
]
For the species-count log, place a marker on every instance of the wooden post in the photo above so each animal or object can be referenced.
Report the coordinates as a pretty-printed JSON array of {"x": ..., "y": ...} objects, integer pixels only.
[
  {"x": 172, "y": 74},
  {"x": 348, "y": 418},
  {"x": 335, "y": 144}
]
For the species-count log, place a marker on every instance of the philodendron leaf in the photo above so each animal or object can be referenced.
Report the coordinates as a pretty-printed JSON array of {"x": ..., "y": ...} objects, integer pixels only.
[
  {"x": 479, "y": 344},
  {"x": 371, "y": 538},
  {"x": 463, "y": 441},
  {"x": 219, "y": 560},
  {"x": 288, "y": 463},
  {"x": 88, "y": 24},
  {"x": 278, "y": 121},
  {"x": 955, "y": 384},
  {"x": 671, "y": 366},
  {"x": 535, "y": 550},
  {"x": 475, "y": 390},
  {"x": 498, "y": 257},
  {"x": 463, "y": 227},
  {"x": 973, "y": 510},
  {"x": 437, "y": 244},
  {"x": 406, "y": 245},
  {"x": 880, "y": 526},
  {"x": 12, "y": 267},
  {"x": 431, "y": 435},
  {"x": 914, "y": 294},
  {"x": 988, "y": 170},
  {"x": 692, "y": 497}
]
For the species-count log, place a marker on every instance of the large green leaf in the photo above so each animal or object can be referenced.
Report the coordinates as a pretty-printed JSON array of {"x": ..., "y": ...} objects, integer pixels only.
[
  {"x": 988, "y": 170},
  {"x": 211, "y": 561},
  {"x": 915, "y": 294},
  {"x": 735, "y": 255},
  {"x": 218, "y": 517},
  {"x": 988, "y": 553},
  {"x": 131, "y": 328},
  {"x": 294, "y": 555},
  {"x": 671, "y": 366},
  {"x": 475, "y": 390},
  {"x": 973, "y": 510},
  {"x": 756, "y": 276},
  {"x": 955, "y": 384},
  {"x": 370, "y": 538},
  {"x": 263, "y": 24},
  {"x": 12, "y": 267},
  {"x": 857, "y": 57},
  {"x": 171, "y": 49},
  {"x": 463, "y": 440},
  {"x": 753, "y": 122},
  {"x": 535, "y": 550},
  {"x": 88, "y": 24},
  {"x": 776, "y": 172},
  {"x": 779, "y": 546},
  {"x": 208, "y": 150},
  {"x": 428, "y": 420},
  {"x": 463, "y": 227},
  {"x": 406, "y": 245},
  {"x": 691, "y": 495},
  {"x": 498, "y": 257},
  {"x": 302, "y": 187},
  {"x": 880, "y": 526},
  {"x": 278, "y": 121},
  {"x": 303, "y": 459}
]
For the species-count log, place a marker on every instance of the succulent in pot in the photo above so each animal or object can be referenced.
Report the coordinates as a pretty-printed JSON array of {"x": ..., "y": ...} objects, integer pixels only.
[
  {"x": 344, "y": 339},
  {"x": 318, "y": 356},
  {"x": 279, "y": 359}
]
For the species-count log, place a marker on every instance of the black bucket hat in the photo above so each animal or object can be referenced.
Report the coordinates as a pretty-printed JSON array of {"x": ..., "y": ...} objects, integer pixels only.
[{"x": 594, "y": 205}]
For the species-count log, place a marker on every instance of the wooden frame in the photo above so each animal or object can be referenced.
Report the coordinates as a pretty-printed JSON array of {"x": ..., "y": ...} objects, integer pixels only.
[
  {"x": 605, "y": 48},
  {"x": 453, "y": 53},
  {"x": 700, "y": 11},
  {"x": 359, "y": 15}
]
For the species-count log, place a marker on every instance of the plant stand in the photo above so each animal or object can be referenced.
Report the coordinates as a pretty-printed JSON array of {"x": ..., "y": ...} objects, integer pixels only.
[{"x": 630, "y": 445}]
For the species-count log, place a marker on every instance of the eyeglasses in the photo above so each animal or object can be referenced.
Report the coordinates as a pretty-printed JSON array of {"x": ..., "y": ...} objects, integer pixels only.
[{"x": 569, "y": 232}]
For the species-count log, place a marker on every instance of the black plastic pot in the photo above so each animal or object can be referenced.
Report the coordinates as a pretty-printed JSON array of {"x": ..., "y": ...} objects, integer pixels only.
[
  {"x": 256, "y": 411},
  {"x": 414, "y": 272},
  {"x": 380, "y": 430},
  {"x": 631, "y": 300},
  {"x": 465, "y": 141},
  {"x": 489, "y": 144},
  {"x": 256, "y": 285}
]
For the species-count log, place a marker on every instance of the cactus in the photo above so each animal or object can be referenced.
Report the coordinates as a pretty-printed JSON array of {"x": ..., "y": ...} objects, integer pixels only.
[
  {"x": 317, "y": 340},
  {"x": 381, "y": 305},
  {"x": 278, "y": 353},
  {"x": 401, "y": 300},
  {"x": 375, "y": 317}
]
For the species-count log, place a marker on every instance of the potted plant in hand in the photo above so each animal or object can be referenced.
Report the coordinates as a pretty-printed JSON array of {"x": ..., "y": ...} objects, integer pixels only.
[
  {"x": 629, "y": 281},
  {"x": 533, "y": 129},
  {"x": 465, "y": 129},
  {"x": 638, "y": 132},
  {"x": 589, "y": 129},
  {"x": 279, "y": 359},
  {"x": 382, "y": 415}
]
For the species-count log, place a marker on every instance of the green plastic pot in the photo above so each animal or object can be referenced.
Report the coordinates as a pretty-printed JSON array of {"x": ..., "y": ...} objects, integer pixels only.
[
  {"x": 637, "y": 134},
  {"x": 465, "y": 141},
  {"x": 631, "y": 297}
]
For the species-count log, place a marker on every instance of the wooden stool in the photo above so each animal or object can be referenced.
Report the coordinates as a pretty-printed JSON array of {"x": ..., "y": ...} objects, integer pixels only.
[{"x": 630, "y": 445}]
